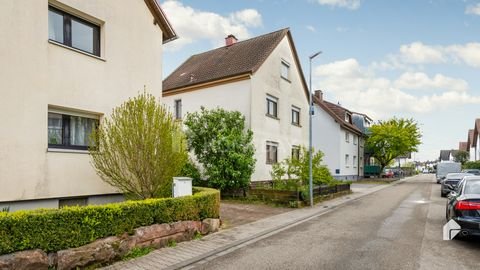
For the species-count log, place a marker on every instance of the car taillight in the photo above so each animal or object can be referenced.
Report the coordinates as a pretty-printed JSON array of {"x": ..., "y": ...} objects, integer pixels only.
[{"x": 465, "y": 205}]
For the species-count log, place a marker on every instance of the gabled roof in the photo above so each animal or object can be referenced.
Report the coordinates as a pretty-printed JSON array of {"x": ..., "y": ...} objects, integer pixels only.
[
  {"x": 241, "y": 58},
  {"x": 162, "y": 21},
  {"x": 337, "y": 112},
  {"x": 470, "y": 139},
  {"x": 445, "y": 154},
  {"x": 463, "y": 146}
]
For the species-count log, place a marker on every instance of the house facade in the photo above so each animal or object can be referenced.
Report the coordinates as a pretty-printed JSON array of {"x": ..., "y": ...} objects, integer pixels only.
[
  {"x": 476, "y": 140},
  {"x": 259, "y": 77},
  {"x": 363, "y": 122},
  {"x": 338, "y": 138},
  {"x": 66, "y": 64},
  {"x": 470, "y": 147}
]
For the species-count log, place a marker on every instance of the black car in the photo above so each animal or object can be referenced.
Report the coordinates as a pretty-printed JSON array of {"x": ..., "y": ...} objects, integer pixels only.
[
  {"x": 450, "y": 182},
  {"x": 463, "y": 206}
]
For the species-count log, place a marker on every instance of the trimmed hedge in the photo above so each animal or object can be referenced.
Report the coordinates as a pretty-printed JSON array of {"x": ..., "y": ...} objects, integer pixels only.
[{"x": 57, "y": 229}]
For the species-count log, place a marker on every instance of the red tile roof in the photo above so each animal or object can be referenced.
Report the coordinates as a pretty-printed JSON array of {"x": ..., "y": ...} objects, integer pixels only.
[
  {"x": 338, "y": 113},
  {"x": 243, "y": 57},
  {"x": 462, "y": 146}
]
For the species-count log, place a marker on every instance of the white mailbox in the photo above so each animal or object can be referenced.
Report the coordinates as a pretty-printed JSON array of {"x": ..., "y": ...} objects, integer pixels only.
[{"x": 182, "y": 186}]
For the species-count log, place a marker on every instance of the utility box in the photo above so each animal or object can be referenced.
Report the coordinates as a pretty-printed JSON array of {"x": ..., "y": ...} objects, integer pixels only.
[{"x": 182, "y": 186}]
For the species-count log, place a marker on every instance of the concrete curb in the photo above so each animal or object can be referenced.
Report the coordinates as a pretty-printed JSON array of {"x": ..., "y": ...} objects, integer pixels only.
[{"x": 320, "y": 210}]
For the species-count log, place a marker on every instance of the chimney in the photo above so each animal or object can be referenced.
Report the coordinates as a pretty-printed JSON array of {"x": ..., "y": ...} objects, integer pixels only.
[
  {"x": 230, "y": 40},
  {"x": 319, "y": 94}
]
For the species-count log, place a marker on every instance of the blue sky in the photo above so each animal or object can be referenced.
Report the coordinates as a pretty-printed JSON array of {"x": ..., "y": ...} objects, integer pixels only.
[{"x": 410, "y": 58}]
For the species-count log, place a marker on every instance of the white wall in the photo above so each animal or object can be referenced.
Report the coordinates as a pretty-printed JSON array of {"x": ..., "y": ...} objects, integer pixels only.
[
  {"x": 472, "y": 154},
  {"x": 36, "y": 74},
  {"x": 349, "y": 169},
  {"x": 326, "y": 136},
  {"x": 267, "y": 80}
]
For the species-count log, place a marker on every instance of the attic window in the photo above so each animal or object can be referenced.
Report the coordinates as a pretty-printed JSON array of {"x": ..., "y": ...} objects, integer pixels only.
[
  {"x": 348, "y": 117},
  {"x": 285, "y": 70}
]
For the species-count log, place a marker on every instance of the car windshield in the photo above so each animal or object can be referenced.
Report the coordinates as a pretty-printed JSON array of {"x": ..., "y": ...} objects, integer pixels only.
[{"x": 472, "y": 187}]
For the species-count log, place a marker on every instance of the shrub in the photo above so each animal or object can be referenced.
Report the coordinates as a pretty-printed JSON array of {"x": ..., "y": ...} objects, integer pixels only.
[
  {"x": 223, "y": 146},
  {"x": 56, "y": 229},
  {"x": 472, "y": 165},
  {"x": 140, "y": 148}
]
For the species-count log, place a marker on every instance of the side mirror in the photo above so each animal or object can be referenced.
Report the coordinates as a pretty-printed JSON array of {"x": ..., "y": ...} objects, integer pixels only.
[{"x": 452, "y": 194}]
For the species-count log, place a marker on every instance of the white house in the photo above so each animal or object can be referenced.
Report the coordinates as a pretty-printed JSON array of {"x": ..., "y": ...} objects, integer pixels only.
[
  {"x": 338, "y": 138},
  {"x": 260, "y": 77},
  {"x": 476, "y": 140},
  {"x": 65, "y": 64},
  {"x": 470, "y": 146}
]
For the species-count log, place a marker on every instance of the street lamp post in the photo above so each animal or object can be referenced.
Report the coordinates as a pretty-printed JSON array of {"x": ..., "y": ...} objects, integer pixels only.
[{"x": 310, "y": 148}]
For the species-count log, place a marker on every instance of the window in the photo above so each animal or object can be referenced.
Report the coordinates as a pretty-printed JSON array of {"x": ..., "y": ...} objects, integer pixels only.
[
  {"x": 285, "y": 70},
  {"x": 354, "y": 161},
  {"x": 70, "y": 132},
  {"x": 272, "y": 104},
  {"x": 348, "y": 117},
  {"x": 178, "y": 108},
  {"x": 295, "y": 116},
  {"x": 347, "y": 136},
  {"x": 272, "y": 149},
  {"x": 295, "y": 152},
  {"x": 347, "y": 160},
  {"x": 72, "y": 31},
  {"x": 354, "y": 140}
]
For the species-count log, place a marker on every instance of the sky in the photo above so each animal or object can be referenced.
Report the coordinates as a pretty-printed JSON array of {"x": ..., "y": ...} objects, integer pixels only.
[{"x": 399, "y": 58}]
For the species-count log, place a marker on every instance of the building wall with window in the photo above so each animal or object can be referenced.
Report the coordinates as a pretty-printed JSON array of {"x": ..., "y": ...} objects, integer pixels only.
[
  {"x": 327, "y": 137},
  {"x": 268, "y": 81},
  {"x": 39, "y": 75},
  {"x": 349, "y": 169}
]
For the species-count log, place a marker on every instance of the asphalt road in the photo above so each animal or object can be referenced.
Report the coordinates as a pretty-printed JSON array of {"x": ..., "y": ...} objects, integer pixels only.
[{"x": 399, "y": 227}]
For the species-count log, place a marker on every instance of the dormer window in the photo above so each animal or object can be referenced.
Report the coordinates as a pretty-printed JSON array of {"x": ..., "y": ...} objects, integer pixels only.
[
  {"x": 348, "y": 117},
  {"x": 285, "y": 70}
]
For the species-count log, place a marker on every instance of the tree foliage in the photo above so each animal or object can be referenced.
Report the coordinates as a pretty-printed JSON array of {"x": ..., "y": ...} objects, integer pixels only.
[
  {"x": 393, "y": 138},
  {"x": 295, "y": 172},
  {"x": 140, "y": 148},
  {"x": 223, "y": 146},
  {"x": 472, "y": 165},
  {"x": 461, "y": 156}
]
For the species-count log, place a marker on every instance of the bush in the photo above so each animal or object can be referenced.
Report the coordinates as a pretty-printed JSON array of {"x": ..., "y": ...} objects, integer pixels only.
[
  {"x": 57, "y": 229},
  {"x": 472, "y": 165},
  {"x": 140, "y": 148},
  {"x": 223, "y": 146}
]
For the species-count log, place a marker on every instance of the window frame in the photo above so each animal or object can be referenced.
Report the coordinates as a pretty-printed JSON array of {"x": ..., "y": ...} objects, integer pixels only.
[
  {"x": 296, "y": 110},
  {"x": 347, "y": 160},
  {"x": 354, "y": 161},
  {"x": 66, "y": 131},
  {"x": 285, "y": 66},
  {"x": 67, "y": 31},
  {"x": 178, "y": 112},
  {"x": 274, "y": 101},
  {"x": 295, "y": 152},
  {"x": 347, "y": 136},
  {"x": 269, "y": 147}
]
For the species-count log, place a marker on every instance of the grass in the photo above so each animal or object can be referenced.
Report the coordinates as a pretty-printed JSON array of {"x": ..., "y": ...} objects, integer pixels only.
[
  {"x": 172, "y": 243},
  {"x": 197, "y": 236},
  {"x": 137, "y": 252}
]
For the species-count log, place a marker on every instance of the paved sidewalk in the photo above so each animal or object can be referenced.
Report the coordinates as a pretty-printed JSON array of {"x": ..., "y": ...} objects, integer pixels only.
[{"x": 225, "y": 241}]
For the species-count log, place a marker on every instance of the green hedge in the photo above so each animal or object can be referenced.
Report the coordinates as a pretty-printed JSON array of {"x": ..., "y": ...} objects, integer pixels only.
[{"x": 56, "y": 229}]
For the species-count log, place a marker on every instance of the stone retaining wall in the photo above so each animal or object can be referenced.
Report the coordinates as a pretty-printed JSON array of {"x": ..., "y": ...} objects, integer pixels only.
[{"x": 110, "y": 249}]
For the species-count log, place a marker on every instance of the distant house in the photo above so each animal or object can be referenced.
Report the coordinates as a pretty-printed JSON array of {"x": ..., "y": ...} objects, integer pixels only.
[
  {"x": 338, "y": 138},
  {"x": 447, "y": 155},
  {"x": 65, "y": 65},
  {"x": 261, "y": 77},
  {"x": 363, "y": 122},
  {"x": 476, "y": 139},
  {"x": 470, "y": 147}
]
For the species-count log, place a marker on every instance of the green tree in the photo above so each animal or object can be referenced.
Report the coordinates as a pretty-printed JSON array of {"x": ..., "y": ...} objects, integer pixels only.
[
  {"x": 140, "y": 148},
  {"x": 393, "y": 138},
  {"x": 461, "y": 156},
  {"x": 297, "y": 170},
  {"x": 472, "y": 165},
  {"x": 223, "y": 146}
]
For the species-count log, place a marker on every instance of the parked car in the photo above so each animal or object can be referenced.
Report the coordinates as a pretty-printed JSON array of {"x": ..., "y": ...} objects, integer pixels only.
[
  {"x": 443, "y": 168},
  {"x": 451, "y": 181},
  {"x": 463, "y": 206},
  {"x": 387, "y": 173},
  {"x": 472, "y": 171}
]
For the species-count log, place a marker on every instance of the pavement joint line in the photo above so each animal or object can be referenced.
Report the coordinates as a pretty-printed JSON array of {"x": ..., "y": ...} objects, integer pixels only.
[{"x": 258, "y": 236}]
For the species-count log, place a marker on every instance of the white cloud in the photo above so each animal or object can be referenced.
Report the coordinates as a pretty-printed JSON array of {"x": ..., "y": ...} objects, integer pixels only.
[
  {"x": 341, "y": 29},
  {"x": 192, "y": 25},
  {"x": 248, "y": 17},
  {"x": 418, "y": 53},
  {"x": 360, "y": 89},
  {"x": 468, "y": 53},
  {"x": 421, "y": 81},
  {"x": 349, "y": 4},
  {"x": 311, "y": 28},
  {"x": 473, "y": 9}
]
